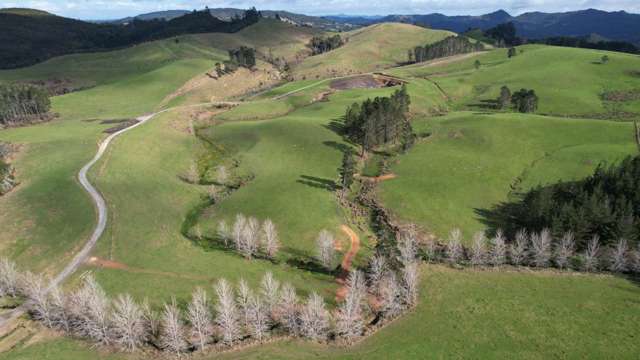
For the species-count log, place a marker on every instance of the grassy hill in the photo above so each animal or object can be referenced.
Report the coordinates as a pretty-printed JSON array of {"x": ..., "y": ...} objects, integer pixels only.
[
  {"x": 472, "y": 161},
  {"x": 267, "y": 36},
  {"x": 368, "y": 49},
  {"x": 48, "y": 216},
  {"x": 568, "y": 81}
]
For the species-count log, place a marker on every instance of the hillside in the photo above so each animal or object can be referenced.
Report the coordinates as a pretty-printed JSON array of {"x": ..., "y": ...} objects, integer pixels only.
[
  {"x": 375, "y": 47},
  {"x": 27, "y": 38}
]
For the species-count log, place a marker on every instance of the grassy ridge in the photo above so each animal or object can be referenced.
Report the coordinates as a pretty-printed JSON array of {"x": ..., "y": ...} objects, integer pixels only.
[{"x": 568, "y": 81}]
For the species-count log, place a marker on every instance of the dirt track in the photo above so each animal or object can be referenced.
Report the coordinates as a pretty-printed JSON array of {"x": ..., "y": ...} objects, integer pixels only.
[{"x": 347, "y": 261}]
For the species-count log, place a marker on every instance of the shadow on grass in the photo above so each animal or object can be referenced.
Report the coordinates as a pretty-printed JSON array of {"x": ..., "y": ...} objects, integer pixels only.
[{"x": 319, "y": 183}]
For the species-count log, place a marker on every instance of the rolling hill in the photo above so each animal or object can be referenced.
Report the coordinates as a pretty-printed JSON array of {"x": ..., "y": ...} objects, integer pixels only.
[
  {"x": 28, "y": 37},
  {"x": 375, "y": 47}
]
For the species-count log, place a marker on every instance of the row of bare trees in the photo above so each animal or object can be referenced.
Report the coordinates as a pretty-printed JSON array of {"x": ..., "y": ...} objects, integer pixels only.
[
  {"x": 536, "y": 249},
  {"x": 240, "y": 313},
  {"x": 249, "y": 237}
]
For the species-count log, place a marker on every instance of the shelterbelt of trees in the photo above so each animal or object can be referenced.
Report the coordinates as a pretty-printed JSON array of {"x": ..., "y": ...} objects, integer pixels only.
[
  {"x": 29, "y": 39},
  {"x": 453, "y": 45}
]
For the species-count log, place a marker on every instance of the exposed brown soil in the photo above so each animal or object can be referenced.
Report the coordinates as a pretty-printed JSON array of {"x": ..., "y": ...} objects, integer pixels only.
[
  {"x": 110, "y": 264},
  {"x": 347, "y": 261},
  {"x": 367, "y": 81}
]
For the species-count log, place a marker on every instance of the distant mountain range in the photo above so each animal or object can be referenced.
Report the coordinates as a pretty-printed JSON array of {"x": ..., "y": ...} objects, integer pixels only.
[
  {"x": 226, "y": 14},
  {"x": 618, "y": 25}
]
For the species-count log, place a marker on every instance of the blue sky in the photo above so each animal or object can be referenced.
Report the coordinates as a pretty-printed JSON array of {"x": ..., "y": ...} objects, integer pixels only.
[{"x": 110, "y": 9}]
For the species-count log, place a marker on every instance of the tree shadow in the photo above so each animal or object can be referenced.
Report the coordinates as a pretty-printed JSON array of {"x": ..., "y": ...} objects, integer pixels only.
[
  {"x": 303, "y": 261},
  {"x": 318, "y": 183},
  {"x": 336, "y": 125},
  {"x": 492, "y": 104}
]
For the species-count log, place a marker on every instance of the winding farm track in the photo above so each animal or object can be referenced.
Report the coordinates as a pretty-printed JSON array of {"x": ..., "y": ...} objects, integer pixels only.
[
  {"x": 346, "y": 261},
  {"x": 101, "y": 207}
]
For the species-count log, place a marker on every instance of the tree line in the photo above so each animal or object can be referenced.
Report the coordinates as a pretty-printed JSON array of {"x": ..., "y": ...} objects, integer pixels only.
[
  {"x": 453, "y": 45},
  {"x": 238, "y": 316},
  {"x": 537, "y": 249},
  {"x": 380, "y": 121},
  {"x": 321, "y": 45},
  {"x": 57, "y": 36},
  {"x": 22, "y": 103},
  {"x": 605, "y": 204}
]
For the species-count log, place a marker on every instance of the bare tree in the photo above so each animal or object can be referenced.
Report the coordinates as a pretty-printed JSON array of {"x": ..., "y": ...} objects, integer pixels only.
[
  {"x": 8, "y": 278},
  {"x": 350, "y": 318},
  {"x": 541, "y": 247},
  {"x": 270, "y": 241},
  {"x": 258, "y": 318},
  {"x": 151, "y": 321},
  {"x": 564, "y": 250},
  {"x": 244, "y": 295},
  {"x": 391, "y": 296},
  {"x": 479, "y": 249},
  {"x": 61, "y": 318},
  {"x": 92, "y": 312},
  {"x": 407, "y": 248},
  {"x": 591, "y": 254},
  {"x": 377, "y": 270},
  {"x": 314, "y": 319},
  {"x": 518, "y": 251},
  {"x": 227, "y": 313},
  {"x": 498, "y": 249},
  {"x": 40, "y": 305},
  {"x": 326, "y": 252},
  {"x": 288, "y": 309},
  {"x": 618, "y": 261},
  {"x": 129, "y": 328},
  {"x": 250, "y": 238},
  {"x": 224, "y": 233},
  {"x": 410, "y": 280},
  {"x": 270, "y": 290},
  {"x": 199, "y": 315},
  {"x": 172, "y": 332},
  {"x": 454, "y": 247},
  {"x": 238, "y": 229}
]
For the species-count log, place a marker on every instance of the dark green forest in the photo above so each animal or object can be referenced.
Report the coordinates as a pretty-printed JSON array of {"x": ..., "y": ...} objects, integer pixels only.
[
  {"x": 27, "y": 40},
  {"x": 453, "y": 45},
  {"x": 380, "y": 121},
  {"x": 606, "y": 204}
]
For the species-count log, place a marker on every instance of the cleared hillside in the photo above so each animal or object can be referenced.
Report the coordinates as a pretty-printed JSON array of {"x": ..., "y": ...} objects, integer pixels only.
[
  {"x": 268, "y": 37},
  {"x": 569, "y": 81},
  {"x": 372, "y": 48}
]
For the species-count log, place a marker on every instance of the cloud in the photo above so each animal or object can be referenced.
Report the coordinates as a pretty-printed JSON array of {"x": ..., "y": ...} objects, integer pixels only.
[{"x": 103, "y": 9}]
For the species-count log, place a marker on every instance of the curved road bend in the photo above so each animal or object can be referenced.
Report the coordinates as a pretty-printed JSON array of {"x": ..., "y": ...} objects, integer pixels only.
[{"x": 102, "y": 218}]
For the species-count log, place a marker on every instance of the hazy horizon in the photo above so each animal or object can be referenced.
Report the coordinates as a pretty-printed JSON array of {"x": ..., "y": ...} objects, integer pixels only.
[{"x": 106, "y": 10}]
